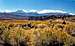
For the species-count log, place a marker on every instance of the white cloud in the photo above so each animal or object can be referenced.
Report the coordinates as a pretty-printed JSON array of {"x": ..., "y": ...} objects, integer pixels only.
[
  {"x": 45, "y": 11},
  {"x": 33, "y": 11},
  {"x": 39, "y": 11},
  {"x": 71, "y": 14},
  {"x": 7, "y": 11},
  {"x": 30, "y": 11},
  {"x": 25, "y": 10},
  {"x": 53, "y": 11}
]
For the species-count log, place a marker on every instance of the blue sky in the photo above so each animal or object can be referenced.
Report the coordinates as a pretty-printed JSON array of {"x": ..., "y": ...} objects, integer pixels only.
[{"x": 65, "y": 5}]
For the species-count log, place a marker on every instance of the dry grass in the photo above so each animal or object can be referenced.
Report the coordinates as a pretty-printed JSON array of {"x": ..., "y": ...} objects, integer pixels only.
[{"x": 37, "y": 33}]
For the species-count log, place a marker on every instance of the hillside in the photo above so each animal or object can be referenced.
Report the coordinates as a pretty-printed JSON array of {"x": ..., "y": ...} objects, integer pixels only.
[{"x": 21, "y": 15}]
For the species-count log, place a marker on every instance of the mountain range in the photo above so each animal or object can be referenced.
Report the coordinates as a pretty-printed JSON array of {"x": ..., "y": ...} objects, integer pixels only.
[{"x": 20, "y": 14}]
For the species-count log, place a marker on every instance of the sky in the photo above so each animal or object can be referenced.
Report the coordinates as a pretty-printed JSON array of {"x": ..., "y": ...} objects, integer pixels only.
[{"x": 63, "y": 5}]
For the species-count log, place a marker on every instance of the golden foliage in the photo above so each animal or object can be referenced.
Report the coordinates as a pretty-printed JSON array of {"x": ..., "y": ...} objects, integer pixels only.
[{"x": 41, "y": 33}]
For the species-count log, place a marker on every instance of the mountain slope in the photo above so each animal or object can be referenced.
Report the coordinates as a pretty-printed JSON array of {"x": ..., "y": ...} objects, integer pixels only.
[{"x": 32, "y": 15}]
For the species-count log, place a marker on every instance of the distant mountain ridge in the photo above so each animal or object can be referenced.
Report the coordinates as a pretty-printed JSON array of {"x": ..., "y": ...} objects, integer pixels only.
[{"x": 20, "y": 14}]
